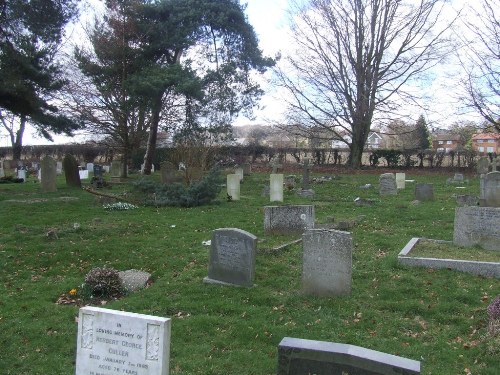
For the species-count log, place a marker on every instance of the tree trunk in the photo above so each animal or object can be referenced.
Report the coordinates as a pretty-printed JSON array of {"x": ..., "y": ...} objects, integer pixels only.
[
  {"x": 153, "y": 136},
  {"x": 17, "y": 142}
]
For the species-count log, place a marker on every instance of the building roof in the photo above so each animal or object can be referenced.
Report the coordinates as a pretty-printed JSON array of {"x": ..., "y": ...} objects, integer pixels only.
[
  {"x": 446, "y": 137},
  {"x": 486, "y": 136}
]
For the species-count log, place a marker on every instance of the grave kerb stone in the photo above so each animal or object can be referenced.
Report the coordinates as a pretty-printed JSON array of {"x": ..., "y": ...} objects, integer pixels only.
[
  {"x": 232, "y": 258},
  {"x": 300, "y": 356},
  {"x": 122, "y": 342}
]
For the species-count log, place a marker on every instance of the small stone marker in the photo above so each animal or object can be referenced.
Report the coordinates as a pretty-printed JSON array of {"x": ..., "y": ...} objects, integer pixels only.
[
  {"x": 239, "y": 172},
  {"x": 232, "y": 258},
  {"x": 84, "y": 174},
  {"x": 90, "y": 167},
  {"x": 310, "y": 357},
  {"x": 477, "y": 226},
  {"x": 288, "y": 219},
  {"x": 388, "y": 185},
  {"x": 492, "y": 189},
  {"x": 71, "y": 171},
  {"x": 400, "y": 180},
  {"x": 424, "y": 192},
  {"x": 233, "y": 186},
  {"x": 111, "y": 341},
  {"x": 276, "y": 188},
  {"x": 327, "y": 262},
  {"x": 48, "y": 175}
]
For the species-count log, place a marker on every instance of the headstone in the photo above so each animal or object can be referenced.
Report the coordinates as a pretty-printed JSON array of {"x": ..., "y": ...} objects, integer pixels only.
[
  {"x": 98, "y": 171},
  {"x": 424, "y": 192},
  {"x": 48, "y": 175},
  {"x": 239, "y": 172},
  {"x": 492, "y": 189},
  {"x": 169, "y": 173},
  {"x": 84, "y": 174},
  {"x": 400, "y": 180},
  {"x": 233, "y": 186},
  {"x": 310, "y": 357},
  {"x": 276, "y": 188},
  {"x": 90, "y": 167},
  {"x": 71, "y": 171},
  {"x": 288, "y": 219},
  {"x": 21, "y": 173},
  {"x": 477, "y": 226},
  {"x": 458, "y": 177},
  {"x": 59, "y": 167},
  {"x": 116, "y": 169},
  {"x": 106, "y": 168},
  {"x": 119, "y": 342},
  {"x": 483, "y": 165},
  {"x": 387, "y": 183},
  {"x": 467, "y": 200},
  {"x": 2, "y": 170},
  {"x": 247, "y": 169},
  {"x": 306, "y": 169},
  {"x": 327, "y": 262},
  {"x": 232, "y": 257}
]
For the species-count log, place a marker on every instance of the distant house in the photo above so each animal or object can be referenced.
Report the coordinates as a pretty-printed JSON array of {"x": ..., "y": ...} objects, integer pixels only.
[
  {"x": 374, "y": 141},
  {"x": 486, "y": 143},
  {"x": 339, "y": 143},
  {"x": 446, "y": 142}
]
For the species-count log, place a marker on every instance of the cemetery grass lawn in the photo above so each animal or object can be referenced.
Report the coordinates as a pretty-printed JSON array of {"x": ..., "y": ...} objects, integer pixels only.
[
  {"x": 440, "y": 250},
  {"x": 436, "y": 317}
]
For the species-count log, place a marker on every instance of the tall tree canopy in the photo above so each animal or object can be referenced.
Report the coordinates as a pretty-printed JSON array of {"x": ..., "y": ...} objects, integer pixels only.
[
  {"x": 189, "y": 58},
  {"x": 354, "y": 59},
  {"x": 482, "y": 62},
  {"x": 30, "y": 34}
]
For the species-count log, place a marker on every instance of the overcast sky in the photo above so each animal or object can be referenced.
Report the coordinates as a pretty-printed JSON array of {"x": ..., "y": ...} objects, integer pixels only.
[{"x": 269, "y": 19}]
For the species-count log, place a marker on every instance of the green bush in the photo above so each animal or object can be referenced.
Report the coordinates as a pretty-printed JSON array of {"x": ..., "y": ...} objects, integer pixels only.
[{"x": 178, "y": 195}]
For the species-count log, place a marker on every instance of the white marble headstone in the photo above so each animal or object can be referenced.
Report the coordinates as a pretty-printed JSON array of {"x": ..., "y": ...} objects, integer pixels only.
[
  {"x": 233, "y": 186},
  {"x": 119, "y": 342},
  {"x": 276, "y": 187}
]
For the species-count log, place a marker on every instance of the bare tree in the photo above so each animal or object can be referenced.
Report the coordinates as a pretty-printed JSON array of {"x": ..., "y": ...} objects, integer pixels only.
[
  {"x": 482, "y": 62},
  {"x": 353, "y": 60}
]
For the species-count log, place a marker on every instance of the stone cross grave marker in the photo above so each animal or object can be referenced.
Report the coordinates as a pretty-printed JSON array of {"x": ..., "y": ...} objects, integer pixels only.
[
  {"x": 48, "y": 175},
  {"x": 477, "y": 226},
  {"x": 303, "y": 357},
  {"x": 401, "y": 180},
  {"x": 233, "y": 186},
  {"x": 492, "y": 189},
  {"x": 387, "y": 182},
  {"x": 276, "y": 188},
  {"x": 288, "y": 219},
  {"x": 424, "y": 192},
  {"x": 327, "y": 262},
  {"x": 232, "y": 258},
  {"x": 119, "y": 342},
  {"x": 306, "y": 170}
]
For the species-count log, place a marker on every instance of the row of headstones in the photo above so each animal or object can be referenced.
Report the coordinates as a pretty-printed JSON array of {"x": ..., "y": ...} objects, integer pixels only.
[{"x": 111, "y": 341}]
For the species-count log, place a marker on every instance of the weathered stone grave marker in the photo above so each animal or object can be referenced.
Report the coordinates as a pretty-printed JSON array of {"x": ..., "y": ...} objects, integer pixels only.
[
  {"x": 288, "y": 219},
  {"x": 477, "y": 226},
  {"x": 169, "y": 173},
  {"x": 116, "y": 169},
  {"x": 401, "y": 180},
  {"x": 424, "y": 192},
  {"x": 306, "y": 171},
  {"x": 48, "y": 175},
  {"x": 311, "y": 357},
  {"x": 232, "y": 257},
  {"x": 111, "y": 341},
  {"x": 71, "y": 171},
  {"x": 239, "y": 172},
  {"x": 327, "y": 262},
  {"x": 233, "y": 186},
  {"x": 276, "y": 187},
  {"x": 387, "y": 182},
  {"x": 492, "y": 189}
]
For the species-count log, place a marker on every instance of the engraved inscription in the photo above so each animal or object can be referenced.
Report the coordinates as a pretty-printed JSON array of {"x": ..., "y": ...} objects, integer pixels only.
[{"x": 230, "y": 254}]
